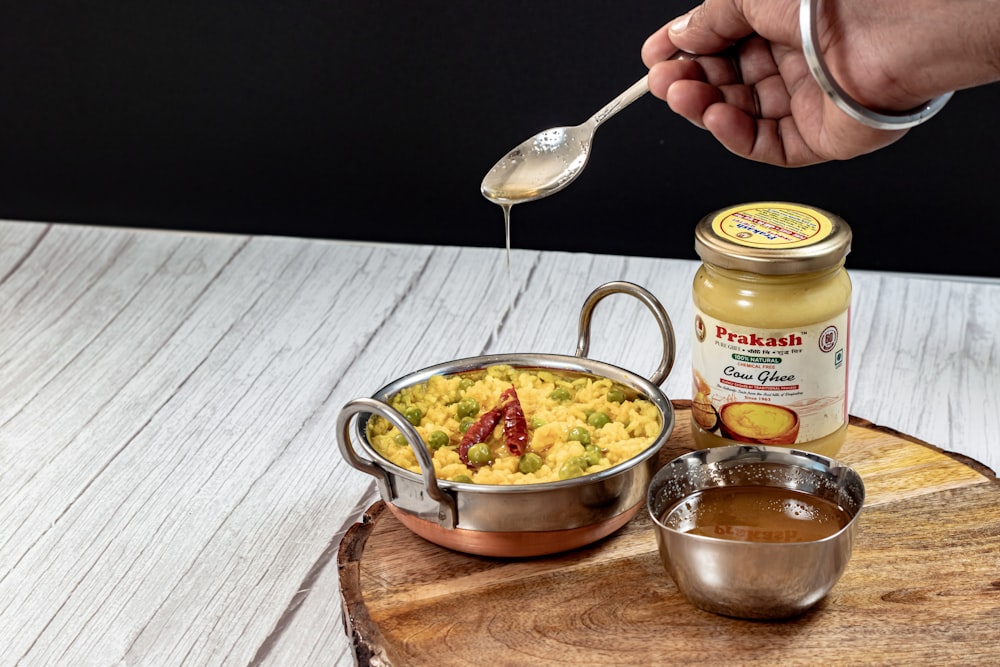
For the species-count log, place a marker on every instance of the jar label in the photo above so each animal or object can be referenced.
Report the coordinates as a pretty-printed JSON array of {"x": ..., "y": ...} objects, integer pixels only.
[
  {"x": 772, "y": 225},
  {"x": 770, "y": 386}
]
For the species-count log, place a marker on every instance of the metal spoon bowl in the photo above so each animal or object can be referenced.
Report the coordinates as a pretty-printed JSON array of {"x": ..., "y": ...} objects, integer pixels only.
[{"x": 552, "y": 159}]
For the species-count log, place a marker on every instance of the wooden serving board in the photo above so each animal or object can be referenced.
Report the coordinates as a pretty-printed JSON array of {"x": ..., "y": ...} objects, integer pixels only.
[{"x": 922, "y": 587}]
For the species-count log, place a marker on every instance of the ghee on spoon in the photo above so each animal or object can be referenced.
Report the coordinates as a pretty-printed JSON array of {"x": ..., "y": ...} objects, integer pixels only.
[
  {"x": 549, "y": 161},
  {"x": 552, "y": 159}
]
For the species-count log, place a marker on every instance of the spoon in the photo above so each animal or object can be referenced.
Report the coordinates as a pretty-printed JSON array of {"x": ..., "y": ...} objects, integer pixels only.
[{"x": 552, "y": 159}]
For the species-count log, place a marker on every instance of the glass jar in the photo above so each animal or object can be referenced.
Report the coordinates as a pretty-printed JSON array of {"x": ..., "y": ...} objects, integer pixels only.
[{"x": 771, "y": 320}]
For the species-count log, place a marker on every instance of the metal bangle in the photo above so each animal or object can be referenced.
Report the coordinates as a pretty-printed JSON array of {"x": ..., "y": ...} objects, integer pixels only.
[{"x": 880, "y": 121}]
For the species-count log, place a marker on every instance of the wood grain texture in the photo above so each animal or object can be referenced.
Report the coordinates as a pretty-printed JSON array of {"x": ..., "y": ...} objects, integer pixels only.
[
  {"x": 923, "y": 585},
  {"x": 170, "y": 487}
]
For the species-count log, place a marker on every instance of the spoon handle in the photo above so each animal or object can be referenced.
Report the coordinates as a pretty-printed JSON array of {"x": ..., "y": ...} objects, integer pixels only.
[{"x": 631, "y": 94}]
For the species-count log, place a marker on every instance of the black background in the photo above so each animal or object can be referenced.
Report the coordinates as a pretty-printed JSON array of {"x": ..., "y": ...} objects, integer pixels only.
[{"x": 377, "y": 120}]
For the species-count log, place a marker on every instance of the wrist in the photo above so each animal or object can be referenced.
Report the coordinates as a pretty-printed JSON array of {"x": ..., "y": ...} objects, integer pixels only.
[
  {"x": 907, "y": 51},
  {"x": 889, "y": 120}
]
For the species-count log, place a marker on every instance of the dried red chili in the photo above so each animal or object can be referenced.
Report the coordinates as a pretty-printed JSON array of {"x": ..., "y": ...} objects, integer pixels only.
[
  {"x": 515, "y": 426},
  {"x": 478, "y": 432}
]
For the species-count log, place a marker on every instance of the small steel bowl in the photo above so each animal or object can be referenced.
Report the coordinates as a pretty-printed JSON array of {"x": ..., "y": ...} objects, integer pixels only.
[
  {"x": 754, "y": 579},
  {"x": 515, "y": 520}
]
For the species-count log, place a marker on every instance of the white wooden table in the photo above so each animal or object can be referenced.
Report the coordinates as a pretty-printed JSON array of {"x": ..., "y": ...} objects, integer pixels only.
[{"x": 171, "y": 491}]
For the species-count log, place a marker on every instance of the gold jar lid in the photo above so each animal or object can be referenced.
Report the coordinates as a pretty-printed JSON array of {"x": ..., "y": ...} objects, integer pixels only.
[{"x": 772, "y": 238}]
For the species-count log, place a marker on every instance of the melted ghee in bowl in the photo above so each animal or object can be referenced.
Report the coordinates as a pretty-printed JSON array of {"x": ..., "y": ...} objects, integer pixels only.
[{"x": 757, "y": 514}]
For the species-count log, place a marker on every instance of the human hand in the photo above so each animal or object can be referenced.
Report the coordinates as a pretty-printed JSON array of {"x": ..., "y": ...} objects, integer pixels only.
[{"x": 755, "y": 93}]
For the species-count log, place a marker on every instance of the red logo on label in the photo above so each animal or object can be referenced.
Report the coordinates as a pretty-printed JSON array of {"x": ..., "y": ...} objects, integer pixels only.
[
  {"x": 699, "y": 328},
  {"x": 828, "y": 339}
]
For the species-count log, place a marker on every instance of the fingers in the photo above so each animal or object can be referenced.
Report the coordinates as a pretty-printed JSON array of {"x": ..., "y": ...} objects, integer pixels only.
[
  {"x": 751, "y": 118},
  {"x": 815, "y": 132},
  {"x": 664, "y": 74},
  {"x": 692, "y": 99},
  {"x": 716, "y": 70},
  {"x": 689, "y": 99},
  {"x": 714, "y": 24},
  {"x": 709, "y": 28},
  {"x": 773, "y": 100},
  {"x": 749, "y": 81},
  {"x": 658, "y": 47},
  {"x": 734, "y": 129},
  {"x": 774, "y": 141}
]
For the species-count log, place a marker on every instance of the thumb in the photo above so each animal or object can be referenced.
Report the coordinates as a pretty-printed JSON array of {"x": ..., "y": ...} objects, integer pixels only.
[{"x": 711, "y": 27}]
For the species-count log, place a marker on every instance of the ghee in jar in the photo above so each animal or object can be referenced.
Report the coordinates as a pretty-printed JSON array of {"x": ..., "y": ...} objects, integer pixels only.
[{"x": 771, "y": 321}]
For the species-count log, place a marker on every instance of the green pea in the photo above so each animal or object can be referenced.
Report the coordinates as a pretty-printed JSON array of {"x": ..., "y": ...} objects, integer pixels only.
[
  {"x": 593, "y": 455},
  {"x": 560, "y": 394},
  {"x": 537, "y": 422},
  {"x": 480, "y": 454},
  {"x": 466, "y": 422},
  {"x": 468, "y": 407},
  {"x": 438, "y": 439},
  {"x": 399, "y": 438},
  {"x": 465, "y": 383},
  {"x": 529, "y": 463},
  {"x": 616, "y": 395},
  {"x": 414, "y": 415},
  {"x": 461, "y": 478},
  {"x": 598, "y": 419},
  {"x": 579, "y": 434},
  {"x": 573, "y": 467}
]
